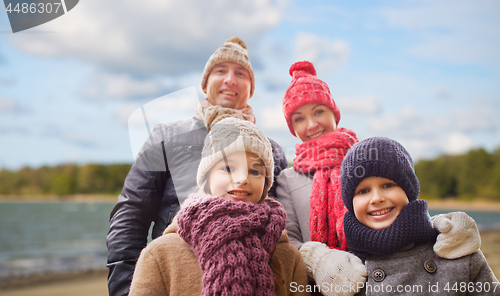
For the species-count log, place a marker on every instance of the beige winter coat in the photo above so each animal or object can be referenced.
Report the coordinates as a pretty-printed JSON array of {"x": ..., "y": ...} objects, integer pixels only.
[{"x": 168, "y": 266}]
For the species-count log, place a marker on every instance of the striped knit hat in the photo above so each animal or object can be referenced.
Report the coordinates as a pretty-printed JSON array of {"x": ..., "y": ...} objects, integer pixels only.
[
  {"x": 306, "y": 88},
  {"x": 235, "y": 135},
  {"x": 233, "y": 50},
  {"x": 378, "y": 157}
]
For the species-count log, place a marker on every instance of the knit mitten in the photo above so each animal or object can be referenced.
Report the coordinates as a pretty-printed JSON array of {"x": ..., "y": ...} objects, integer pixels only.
[
  {"x": 340, "y": 270},
  {"x": 458, "y": 235}
]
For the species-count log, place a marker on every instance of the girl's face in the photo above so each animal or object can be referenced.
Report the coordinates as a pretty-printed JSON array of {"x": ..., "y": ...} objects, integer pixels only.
[
  {"x": 241, "y": 178},
  {"x": 313, "y": 120},
  {"x": 378, "y": 201}
]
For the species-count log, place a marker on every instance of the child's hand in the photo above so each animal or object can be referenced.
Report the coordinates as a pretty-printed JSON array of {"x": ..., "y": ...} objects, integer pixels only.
[
  {"x": 338, "y": 269},
  {"x": 458, "y": 235}
]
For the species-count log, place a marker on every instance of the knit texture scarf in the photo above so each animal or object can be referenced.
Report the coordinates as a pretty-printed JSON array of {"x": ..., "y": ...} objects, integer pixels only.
[
  {"x": 323, "y": 156},
  {"x": 211, "y": 114},
  {"x": 412, "y": 225},
  {"x": 233, "y": 242}
]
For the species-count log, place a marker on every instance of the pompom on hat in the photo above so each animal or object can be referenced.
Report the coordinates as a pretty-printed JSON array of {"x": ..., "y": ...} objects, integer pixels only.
[
  {"x": 378, "y": 157},
  {"x": 306, "y": 88},
  {"x": 235, "y": 135},
  {"x": 233, "y": 50}
]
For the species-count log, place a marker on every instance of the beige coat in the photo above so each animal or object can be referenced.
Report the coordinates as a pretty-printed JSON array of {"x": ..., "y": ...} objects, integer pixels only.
[{"x": 168, "y": 266}]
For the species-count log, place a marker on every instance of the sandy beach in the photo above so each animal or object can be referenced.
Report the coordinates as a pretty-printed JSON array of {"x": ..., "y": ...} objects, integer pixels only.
[{"x": 94, "y": 283}]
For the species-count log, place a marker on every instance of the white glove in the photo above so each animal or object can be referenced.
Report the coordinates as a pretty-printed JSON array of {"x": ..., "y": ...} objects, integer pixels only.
[
  {"x": 458, "y": 235},
  {"x": 337, "y": 271}
]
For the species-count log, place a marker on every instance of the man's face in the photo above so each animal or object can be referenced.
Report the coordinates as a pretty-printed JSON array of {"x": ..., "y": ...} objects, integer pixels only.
[{"x": 228, "y": 85}]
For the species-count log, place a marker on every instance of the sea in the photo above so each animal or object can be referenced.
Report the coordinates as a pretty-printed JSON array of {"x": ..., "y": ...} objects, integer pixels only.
[{"x": 63, "y": 237}]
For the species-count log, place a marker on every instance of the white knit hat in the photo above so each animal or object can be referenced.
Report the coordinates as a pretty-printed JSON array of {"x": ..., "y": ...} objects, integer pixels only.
[{"x": 235, "y": 135}]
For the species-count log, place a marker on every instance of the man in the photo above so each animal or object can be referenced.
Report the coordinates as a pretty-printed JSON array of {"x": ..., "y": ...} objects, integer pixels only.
[{"x": 165, "y": 170}]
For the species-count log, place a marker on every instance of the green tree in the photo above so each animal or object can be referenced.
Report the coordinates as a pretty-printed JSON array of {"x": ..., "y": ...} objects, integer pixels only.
[{"x": 474, "y": 172}]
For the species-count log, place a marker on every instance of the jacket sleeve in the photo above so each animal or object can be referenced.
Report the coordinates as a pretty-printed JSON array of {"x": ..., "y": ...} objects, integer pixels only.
[
  {"x": 148, "y": 278},
  {"x": 284, "y": 196},
  {"x": 131, "y": 218},
  {"x": 280, "y": 163},
  {"x": 482, "y": 276},
  {"x": 300, "y": 276}
]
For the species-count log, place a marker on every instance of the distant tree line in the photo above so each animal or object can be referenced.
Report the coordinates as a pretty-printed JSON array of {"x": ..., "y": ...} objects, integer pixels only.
[
  {"x": 64, "y": 180},
  {"x": 473, "y": 175}
]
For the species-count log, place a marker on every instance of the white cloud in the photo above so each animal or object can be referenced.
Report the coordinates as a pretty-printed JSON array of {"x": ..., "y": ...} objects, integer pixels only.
[
  {"x": 272, "y": 119},
  {"x": 366, "y": 104},
  {"x": 398, "y": 120},
  {"x": 477, "y": 118},
  {"x": 418, "y": 147},
  {"x": 150, "y": 36},
  {"x": 456, "y": 143},
  {"x": 121, "y": 86},
  {"x": 324, "y": 53}
]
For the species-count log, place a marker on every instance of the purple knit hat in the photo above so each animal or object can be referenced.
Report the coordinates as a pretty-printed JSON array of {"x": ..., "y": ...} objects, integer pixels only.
[{"x": 378, "y": 157}]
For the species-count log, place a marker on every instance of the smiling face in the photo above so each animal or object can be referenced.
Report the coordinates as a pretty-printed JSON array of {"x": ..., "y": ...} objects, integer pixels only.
[
  {"x": 241, "y": 178},
  {"x": 378, "y": 201},
  {"x": 313, "y": 120},
  {"x": 228, "y": 85}
]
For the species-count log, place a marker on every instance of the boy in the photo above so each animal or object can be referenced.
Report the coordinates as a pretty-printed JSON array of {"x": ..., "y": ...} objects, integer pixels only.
[{"x": 390, "y": 230}]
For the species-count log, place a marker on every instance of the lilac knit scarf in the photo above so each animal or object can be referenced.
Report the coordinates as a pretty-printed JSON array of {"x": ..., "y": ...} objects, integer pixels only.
[
  {"x": 233, "y": 242},
  {"x": 411, "y": 226}
]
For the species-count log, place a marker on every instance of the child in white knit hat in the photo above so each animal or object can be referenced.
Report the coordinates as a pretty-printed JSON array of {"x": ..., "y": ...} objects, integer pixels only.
[{"x": 229, "y": 238}]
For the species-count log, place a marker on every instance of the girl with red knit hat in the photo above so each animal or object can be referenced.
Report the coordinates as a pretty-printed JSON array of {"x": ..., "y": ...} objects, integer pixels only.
[{"x": 310, "y": 192}]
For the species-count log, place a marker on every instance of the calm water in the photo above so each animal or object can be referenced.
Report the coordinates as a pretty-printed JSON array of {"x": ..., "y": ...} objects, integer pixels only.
[
  {"x": 485, "y": 220},
  {"x": 70, "y": 236},
  {"x": 60, "y": 237}
]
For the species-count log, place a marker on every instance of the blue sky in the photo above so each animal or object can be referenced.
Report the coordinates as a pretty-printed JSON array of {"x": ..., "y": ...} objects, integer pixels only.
[{"x": 425, "y": 73}]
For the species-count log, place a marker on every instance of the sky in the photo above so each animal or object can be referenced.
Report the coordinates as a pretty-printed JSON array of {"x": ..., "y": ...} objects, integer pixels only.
[{"x": 424, "y": 73}]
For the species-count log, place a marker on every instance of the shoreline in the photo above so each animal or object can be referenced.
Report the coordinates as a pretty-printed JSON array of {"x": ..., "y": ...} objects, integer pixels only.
[
  {"x": 458, "y": 205},
  {"x": 434, "y": 204}
]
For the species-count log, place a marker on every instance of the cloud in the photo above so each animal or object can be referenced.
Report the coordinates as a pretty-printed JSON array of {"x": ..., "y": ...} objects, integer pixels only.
[
  {"x": 476, "y": 118},
  {"x": 272, "y": 119},
  {"x": 324, "y": 53},
  {"x": 151, "y": 36},
  {"x": 119, "y": 86},
  {"x": 400, "y": 120},
  {"x": 366, "y": 104},
  {"x": 456, "y": 143},
  {"x": 454, "y": 31}
]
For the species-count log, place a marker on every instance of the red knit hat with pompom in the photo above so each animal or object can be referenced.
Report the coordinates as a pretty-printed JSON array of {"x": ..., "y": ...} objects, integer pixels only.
[{"x": 306, "y": 88}]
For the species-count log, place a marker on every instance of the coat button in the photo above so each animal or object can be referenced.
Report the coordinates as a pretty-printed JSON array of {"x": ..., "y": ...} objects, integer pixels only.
[
  {"x": 430, "y": 266},
  {"x": 378, "y": 275}
]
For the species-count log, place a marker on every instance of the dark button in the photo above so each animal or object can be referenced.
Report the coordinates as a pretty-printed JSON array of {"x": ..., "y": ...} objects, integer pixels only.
[
  {"x": 430, "y": 266},
  {"x": 378, "y": 275}
]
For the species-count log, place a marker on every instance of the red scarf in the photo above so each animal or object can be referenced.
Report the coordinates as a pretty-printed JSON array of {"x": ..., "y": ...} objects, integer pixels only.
[{"x": 323, "y": 156}]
